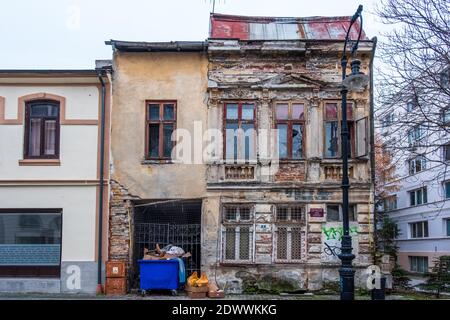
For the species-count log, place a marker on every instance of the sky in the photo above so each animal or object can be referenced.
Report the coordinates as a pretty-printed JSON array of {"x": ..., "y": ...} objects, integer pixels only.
[{"x": 70, "y": 34}]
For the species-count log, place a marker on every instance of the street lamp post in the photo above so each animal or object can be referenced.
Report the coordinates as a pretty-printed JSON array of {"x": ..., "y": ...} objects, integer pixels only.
[{"x": 352, "y": 82}]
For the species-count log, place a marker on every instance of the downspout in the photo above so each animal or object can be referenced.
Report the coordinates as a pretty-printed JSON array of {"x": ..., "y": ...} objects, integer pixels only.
[
  {"x": 372, "y": 146},
  {"x": 101, "y": 187}
]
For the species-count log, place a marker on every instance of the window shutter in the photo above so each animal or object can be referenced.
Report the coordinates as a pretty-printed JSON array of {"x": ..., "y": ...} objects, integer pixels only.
[{"x": 361, "y": 137}]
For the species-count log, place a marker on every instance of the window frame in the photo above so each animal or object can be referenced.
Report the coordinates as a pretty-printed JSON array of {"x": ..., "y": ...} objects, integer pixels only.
[
  {"x": 27, "y": 129},
  {"x": 35, "y": 271},
  {"x": 239, "y": 122},
  {"x": 414, "y": 229},
  {"x": 352, "y": 218},
  {"x": 237, "y": 224},
  {"x": 351, "y": 125},
  {"x": 416, "y": 259},
  {"x": 423, "y": 197},
  {"x": 444, "y": 153},
  {"x": 161, "y": 122},
  {"x": 412, "y": 164},
  {"x": 389, "y": 200},
  {"x": 290, "y": 226},
  {"x": 290, "y": 122}
]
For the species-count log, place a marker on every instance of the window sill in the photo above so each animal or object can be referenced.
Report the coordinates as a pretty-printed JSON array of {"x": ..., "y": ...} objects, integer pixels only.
[
  {"x": 39, "y": 162},
  {"x": 157, "y": 161}
]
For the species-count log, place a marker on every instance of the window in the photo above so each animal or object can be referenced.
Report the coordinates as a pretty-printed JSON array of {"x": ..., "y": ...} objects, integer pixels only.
[
  {"x": 289, "y": 233},
  {"x": 446, "y": 152},
  {"x": 240, "y": 135},
  {"x": 419, "y": 229},
  {"x": 445, "y": 78},
  {"x": 446, "y": 115},
  {"x": 237, "y": 233},
  {"x": 334, "y": 212},
  {"x": 30, "y": 242},
  {"x": 412, "y": 104},
  {"x": 388, "y": 120},
  {"x": 290, "y": 122},
  {"x": 415, "y": 134},
  {"x": 447, "y": 224},
  {"x": 42, "y": 130},
  {"x": 390, "y": 203},
  {"x": 160, "y": 123},
  {"x": 447, "y": 189},
  {"x": 417, "y": 164},
  {"x": 418, "y": 264},
  {"x": 418, "y": 196},
  {"x": 331, "y": 130}
]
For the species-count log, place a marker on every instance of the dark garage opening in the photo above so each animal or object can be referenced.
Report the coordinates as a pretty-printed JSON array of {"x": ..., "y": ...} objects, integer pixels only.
[{"x": 163, "y": 222}]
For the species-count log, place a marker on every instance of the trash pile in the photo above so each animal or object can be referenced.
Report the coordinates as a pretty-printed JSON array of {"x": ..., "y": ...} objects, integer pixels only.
[
  {"x": 201, "y": 287},
  {"x": 165, "y": 253}
]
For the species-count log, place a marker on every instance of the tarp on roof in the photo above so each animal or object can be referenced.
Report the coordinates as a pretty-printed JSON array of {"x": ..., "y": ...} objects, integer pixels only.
[{"x": 281, "y": 28}]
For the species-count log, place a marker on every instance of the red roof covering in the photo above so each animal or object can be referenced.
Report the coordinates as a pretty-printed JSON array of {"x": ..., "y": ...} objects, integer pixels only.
[{"x": 277, "y": 28}]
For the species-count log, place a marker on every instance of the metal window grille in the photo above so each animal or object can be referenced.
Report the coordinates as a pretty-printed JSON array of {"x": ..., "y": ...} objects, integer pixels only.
[{"x": 237, "y": 243}]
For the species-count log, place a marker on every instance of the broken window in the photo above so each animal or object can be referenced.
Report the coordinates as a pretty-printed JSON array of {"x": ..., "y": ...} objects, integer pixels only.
[
  {"x": 334, "y": 212},
  {"x": 237, "y": 235},
  {"x": 161, "y": 121},
  {"x": 357, "y": 131},
  {"x": 240, "y": 134},
  {"x": 289, "y": 233},
  {"x": 290, "y": 122}
]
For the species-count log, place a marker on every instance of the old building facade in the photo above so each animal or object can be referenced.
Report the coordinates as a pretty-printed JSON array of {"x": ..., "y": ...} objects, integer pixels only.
[{"x": 260, "y": 209}]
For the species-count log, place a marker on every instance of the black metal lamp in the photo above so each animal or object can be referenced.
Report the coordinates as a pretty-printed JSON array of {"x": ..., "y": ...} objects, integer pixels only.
[{"x": 356, "y": 81}]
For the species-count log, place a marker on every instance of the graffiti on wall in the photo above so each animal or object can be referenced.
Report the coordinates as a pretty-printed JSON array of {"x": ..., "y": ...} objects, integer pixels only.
[{"x": 331, "y": 239}]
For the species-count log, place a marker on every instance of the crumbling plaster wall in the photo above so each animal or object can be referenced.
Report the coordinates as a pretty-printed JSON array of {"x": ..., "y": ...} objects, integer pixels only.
[{"x": 156, "y": 76}]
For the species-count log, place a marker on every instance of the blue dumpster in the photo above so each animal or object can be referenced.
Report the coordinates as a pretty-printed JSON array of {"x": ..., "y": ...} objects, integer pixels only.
[{"x": 159, "y": 274}]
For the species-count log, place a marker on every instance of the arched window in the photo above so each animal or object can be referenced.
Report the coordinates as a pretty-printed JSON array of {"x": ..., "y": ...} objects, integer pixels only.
[{"x": 42, "y": 129}]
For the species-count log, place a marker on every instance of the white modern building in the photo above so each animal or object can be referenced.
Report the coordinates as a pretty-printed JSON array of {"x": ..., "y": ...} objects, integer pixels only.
[
  {"x": 50, "y": 172},
  {"x": 418, "y": 141}
]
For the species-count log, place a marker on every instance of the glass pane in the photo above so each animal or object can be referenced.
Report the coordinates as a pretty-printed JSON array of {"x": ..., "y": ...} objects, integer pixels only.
[
  {"x": 282, "y": 214},
  {"x": 333, "y": 213},
  {"x": 425, "y": 196},
  {"x": 298, "y": 111},
  {"x": 44, "y": 110},
  {"x": 447, "y": 189},
  {"x": 425, "y": 229},
  {"x": 50, "y": 137},
  {"x": 448, "y": 227},
  {"x": 282, "y": 111},
  {"x": 352, "y": 212},
  {"x": 230, "y": 213},
  {"x": 248, "y": 111},
  {"x": 297, "y": 139},
  {"x": 331, "y": 111},
  {"x": 154, "y": 111},
  {"x": 331, "y": 139},
  {"x": 447, "y": 152},
  {"x": 282, "y": 141},
  {"x": 169, "y": 111},
  {"x": 412, "y": 198},
  {"x": 296, "y": 244},
  {"x": 230, "y": 244},
  {"x": 244, "y": 213},
  {"x": 34, "y": 144},
  {"x": 282, "y": 243},
  {"x": 232, "y": 111},
  {"x": 154, "y": 140},
  {"x": 419, "y": 230},
  {"x": 167, "y": 144},
  {"x": 249, "y": 141},
  {"x": 419, "y": 196},
  {"x": 30, "y": 239},
  {"x": 244, "y": 243},
  {"x": 349, "y": 111},
  {"x": 231, "y": 141}
]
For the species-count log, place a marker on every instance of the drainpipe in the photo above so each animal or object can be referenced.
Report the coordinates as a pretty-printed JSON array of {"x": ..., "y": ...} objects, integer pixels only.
[
  {"x": 101, "y": 187},
  {"x": 372, "y": 143}
]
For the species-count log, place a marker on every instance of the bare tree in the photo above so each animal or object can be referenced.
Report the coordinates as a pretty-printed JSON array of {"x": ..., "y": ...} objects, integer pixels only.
[{"x": 413, "y": 90}]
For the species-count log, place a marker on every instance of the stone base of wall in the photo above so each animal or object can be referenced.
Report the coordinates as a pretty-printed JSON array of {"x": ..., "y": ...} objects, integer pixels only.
[{"x": 246, "y": 279}]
